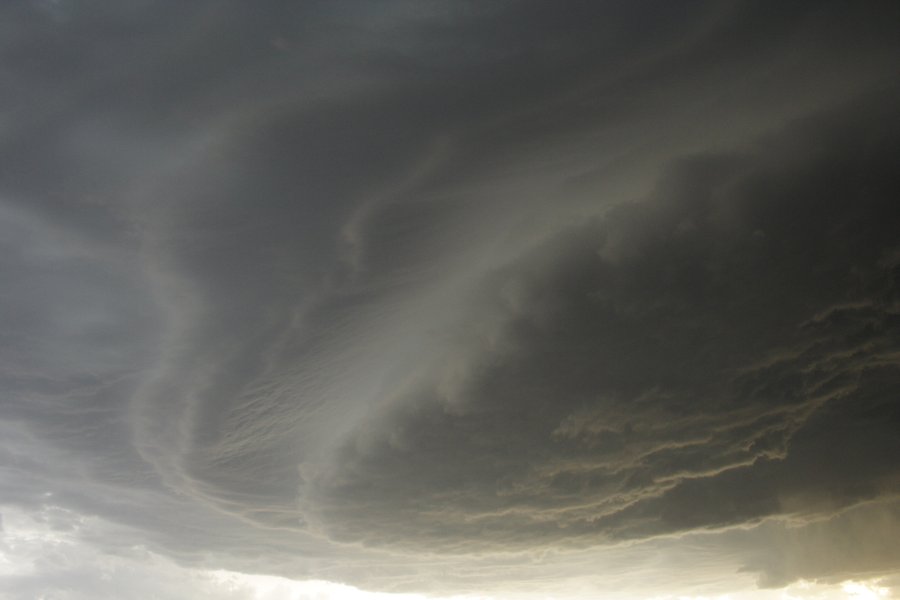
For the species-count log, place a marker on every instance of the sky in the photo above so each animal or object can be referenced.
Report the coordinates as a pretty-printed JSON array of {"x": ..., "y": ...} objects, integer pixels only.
[{"x": 449, "y": 300}]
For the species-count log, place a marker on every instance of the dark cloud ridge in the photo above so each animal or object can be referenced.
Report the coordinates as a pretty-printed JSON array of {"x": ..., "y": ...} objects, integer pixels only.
[
  {"x": 349, "y": 290},
  {"x": 698, "y": 359}
]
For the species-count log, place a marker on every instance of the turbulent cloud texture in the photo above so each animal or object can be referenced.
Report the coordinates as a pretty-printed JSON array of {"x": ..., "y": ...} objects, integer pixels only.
[
  {"x": 720, "y": 352},
  {"x": 502, "y": 298}
]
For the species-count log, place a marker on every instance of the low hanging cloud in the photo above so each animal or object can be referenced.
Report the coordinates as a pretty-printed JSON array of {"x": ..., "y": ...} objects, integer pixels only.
[
  {"x": 447, "y": 296},
  {"x": 722, "y": 352}
]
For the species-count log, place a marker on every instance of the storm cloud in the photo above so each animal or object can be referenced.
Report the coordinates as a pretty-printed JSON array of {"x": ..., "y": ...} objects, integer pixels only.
[
  {"x": 499, "y": 298},
  {"x": 720, "y": 352}
]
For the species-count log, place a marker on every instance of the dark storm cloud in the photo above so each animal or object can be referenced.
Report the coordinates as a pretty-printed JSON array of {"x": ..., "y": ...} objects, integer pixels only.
[
  {"x": 721, "y": 352},
  {"x": 283, "y": 276},
  {"x": 284, "y": 182}
]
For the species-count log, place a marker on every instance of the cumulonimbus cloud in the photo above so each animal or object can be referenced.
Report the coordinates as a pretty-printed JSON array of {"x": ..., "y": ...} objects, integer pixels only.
[
  {"x": 447, "y": 295},
  {"x": 721, "y": 352}
]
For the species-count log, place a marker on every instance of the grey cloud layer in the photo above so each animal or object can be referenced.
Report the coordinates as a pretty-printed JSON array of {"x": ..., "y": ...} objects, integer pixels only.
[
  {"x": 304, "y": 288},
  {"x": 721, "y": 352}
]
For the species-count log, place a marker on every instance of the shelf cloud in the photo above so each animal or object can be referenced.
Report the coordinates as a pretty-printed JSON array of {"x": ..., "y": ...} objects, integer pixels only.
[{"x": 449, "y": 299}]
